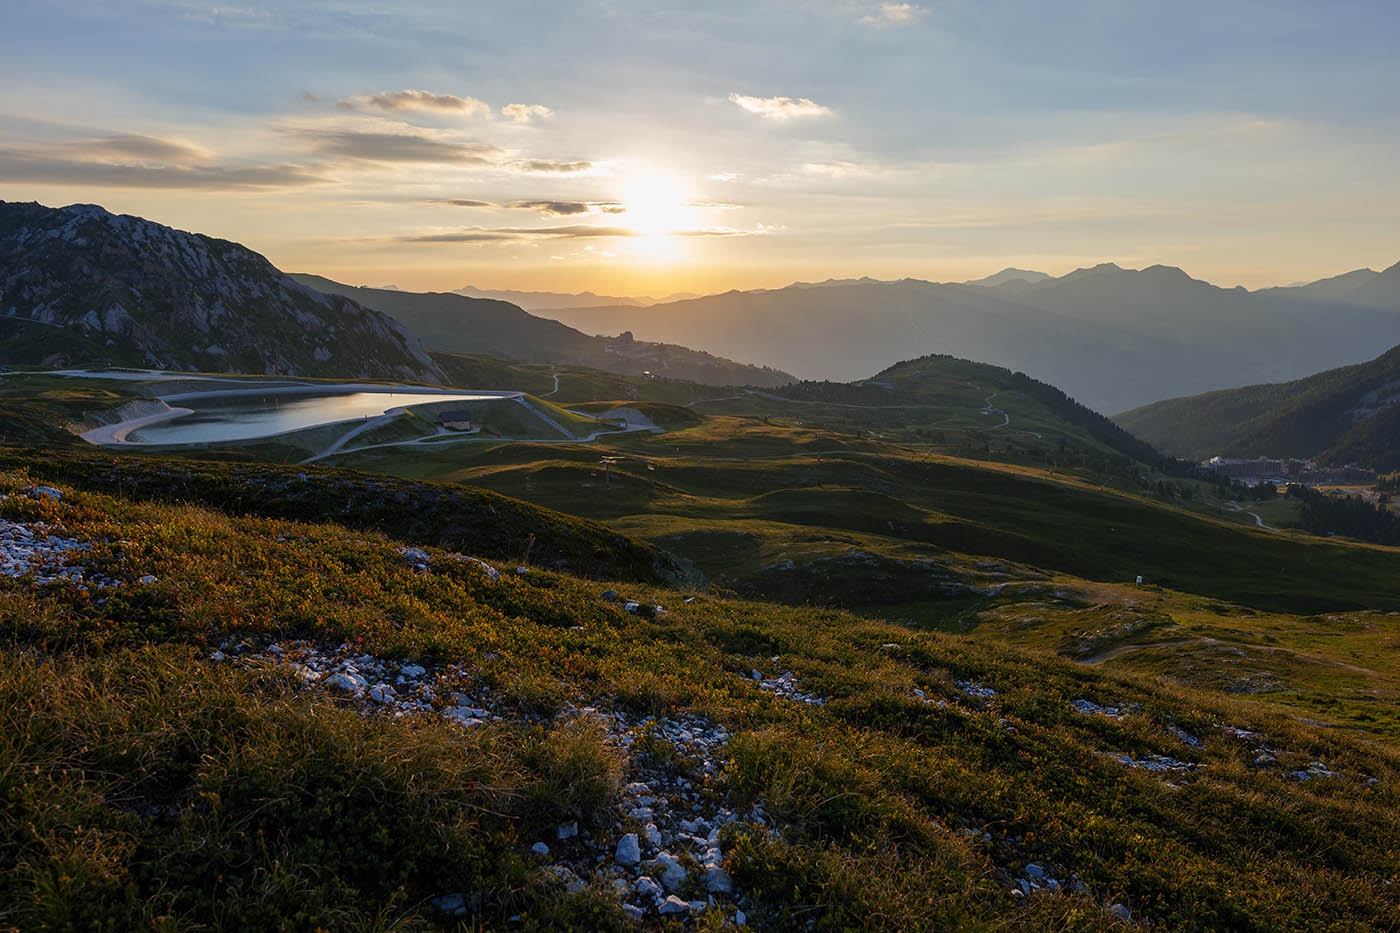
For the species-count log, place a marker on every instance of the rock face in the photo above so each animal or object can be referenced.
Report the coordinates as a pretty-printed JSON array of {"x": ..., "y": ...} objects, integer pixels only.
[{"x": 81, "y": 286}]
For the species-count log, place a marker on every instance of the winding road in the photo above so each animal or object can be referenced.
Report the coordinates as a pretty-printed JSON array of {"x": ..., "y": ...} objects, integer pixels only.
[
  {"x": 987, "y": 409},
  {"x": 1234, "y": 507}
]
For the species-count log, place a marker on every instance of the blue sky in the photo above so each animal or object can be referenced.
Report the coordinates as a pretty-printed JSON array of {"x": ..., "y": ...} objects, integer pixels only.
[{"x": 656, "y": 147}]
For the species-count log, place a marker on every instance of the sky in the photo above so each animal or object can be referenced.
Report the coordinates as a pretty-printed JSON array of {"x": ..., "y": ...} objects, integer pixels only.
[{"x": 651, "y": 148}]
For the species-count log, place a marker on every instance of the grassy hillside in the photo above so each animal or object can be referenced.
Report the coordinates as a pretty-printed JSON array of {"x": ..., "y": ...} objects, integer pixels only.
[
  {"x": 1339, "y": 416},
  {"x": 176, "y": 752}
]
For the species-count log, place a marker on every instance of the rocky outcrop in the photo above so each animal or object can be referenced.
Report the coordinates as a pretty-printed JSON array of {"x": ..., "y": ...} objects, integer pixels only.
[{"x": 82, "y": 286}]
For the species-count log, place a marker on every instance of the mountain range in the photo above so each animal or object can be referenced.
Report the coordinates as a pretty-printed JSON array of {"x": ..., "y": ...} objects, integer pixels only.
[
  {"x": 1345, "y": 415},
  {"x": 452, "y": 323},
  {"x": 1113, "y": 338},
  {"x": 538, "y": 301},
  {"x": 81, "y": 286}
]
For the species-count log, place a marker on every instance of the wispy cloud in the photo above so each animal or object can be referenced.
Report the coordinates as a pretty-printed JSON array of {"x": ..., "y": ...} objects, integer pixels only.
[
  {"x": 569, "y": 232},
  {"x": 836, "y": 169},
  {"x": 894, "y": 14},
  {"x": 780, "y": 108},
  {"x": 552, "y": 167},
  {"x": 571, "y": 208},
  {"x": 50, "y": 166},
  {"x": 393, "y": 101},
  {"x": 460, "y": 202},
  {"x": 526, "y": 113},
  {"x": 143, "y": 148},
  {"x": 135, "y": 161},
  {"x": 479, "y": 234},
  {"x": 397, "y": 147}
]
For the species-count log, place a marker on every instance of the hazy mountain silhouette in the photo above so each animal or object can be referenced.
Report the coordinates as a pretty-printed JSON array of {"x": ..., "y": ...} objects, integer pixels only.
[
  {"x": 534, "y": 301},
  {"x": 1112, "y": 338},
  {"x": 453, "y": 323}
]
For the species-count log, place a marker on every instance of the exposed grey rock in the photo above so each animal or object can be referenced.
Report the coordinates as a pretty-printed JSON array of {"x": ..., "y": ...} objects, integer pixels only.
[
  {"x": 674, "y": 905},
  {"x": 629, "y": 852}
]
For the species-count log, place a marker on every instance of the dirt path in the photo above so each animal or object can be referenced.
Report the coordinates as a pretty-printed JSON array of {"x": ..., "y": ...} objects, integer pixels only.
[{"x": 1234, "y": 507}]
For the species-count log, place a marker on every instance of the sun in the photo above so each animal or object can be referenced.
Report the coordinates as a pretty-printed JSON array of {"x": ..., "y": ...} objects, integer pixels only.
[
  {"x": 659, "y": 208},
  {"x": 656, "y": 204}
]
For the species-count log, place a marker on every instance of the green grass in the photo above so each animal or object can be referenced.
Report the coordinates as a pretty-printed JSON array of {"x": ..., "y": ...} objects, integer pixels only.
[{"x": 140, "y": 787}]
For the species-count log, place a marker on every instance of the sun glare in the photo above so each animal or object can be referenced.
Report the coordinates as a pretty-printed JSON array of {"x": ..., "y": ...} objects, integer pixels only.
[{"x": 658, "y": 208}]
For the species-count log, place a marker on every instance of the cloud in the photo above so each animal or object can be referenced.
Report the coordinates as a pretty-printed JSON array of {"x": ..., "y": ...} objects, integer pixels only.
[
  {"x": 144, "y": 148},
  {"x": 526, "y": 113},
  {"x": 135, "y": 161},
  {"x": 894, "y": 14},
  {"x": 397, "y": 147},
  {"x": 836, "y": 169},
  {"x": 571, "y": 208},
  {"x": 780, "y": 108},
  {"x": 461, "y": 202},
  {"x": 569, "y": 232},
  {"x": 49, "y": 167},
  {"x": 478, "y": 234},
  {"x": 552, "y": 167},
  {"x": 393, "y": 101}
]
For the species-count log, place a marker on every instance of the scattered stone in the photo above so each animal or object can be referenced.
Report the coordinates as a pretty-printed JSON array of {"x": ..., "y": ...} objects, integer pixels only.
[
  {"x": 566, "y": 831},
  {"x": 1119, "y": 912},
  {"x": 973, "y": 689},
  {"x": 572, "y": 883},
  {"x": 347, "y": 682},
  {"x": 1089, "y": 708},
  {"x": 629, "y": 852},
  {"x": 147, "y": 580},
  {"x": 45, "y": 492},
  {"x": 1154, "y": 762},
  {"x": 1315, "y": 770},
  {"x": 382, "y": 693},
  {"x": 540, "y": 849},
  {"x": 785, "y": 686},
  {"x": 717, "y": 880},
  {"x": 672, "y": 873},
  {"x": 454, "y": 905},
  {"x": 674, "y": 905}
]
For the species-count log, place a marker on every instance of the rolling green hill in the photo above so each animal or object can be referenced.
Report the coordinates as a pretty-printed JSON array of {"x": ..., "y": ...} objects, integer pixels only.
[{"x": 1339, "y": 416}]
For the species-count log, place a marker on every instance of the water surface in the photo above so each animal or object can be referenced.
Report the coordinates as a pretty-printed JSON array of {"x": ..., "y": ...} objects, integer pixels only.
[{"x": 244, "y": 417}]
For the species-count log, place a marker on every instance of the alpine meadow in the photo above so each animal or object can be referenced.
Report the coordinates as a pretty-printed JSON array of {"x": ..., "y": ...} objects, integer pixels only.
[{"x": 616, "y": 465}]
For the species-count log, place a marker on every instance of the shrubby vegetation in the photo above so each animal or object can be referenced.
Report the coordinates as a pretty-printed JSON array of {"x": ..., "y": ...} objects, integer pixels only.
[{"x": 143, "y": 787}]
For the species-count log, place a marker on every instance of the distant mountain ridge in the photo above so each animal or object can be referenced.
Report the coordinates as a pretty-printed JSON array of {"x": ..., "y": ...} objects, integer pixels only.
[
  {"x": 82, "y": 286},
  {"x": 452, "y": 323},
  {"x": 1345, "y": 415},
  {"x": 1112, "y": 338},
  {"x": 535, "y": 301}
]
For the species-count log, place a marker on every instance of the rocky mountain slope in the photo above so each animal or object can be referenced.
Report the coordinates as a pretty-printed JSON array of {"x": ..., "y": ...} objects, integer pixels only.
[
  {"x": 1340, "y": 416},
  {"x": 82, "y": 286},
  {"x": 1112, "y": 338},
  {"x": 452, "y": 323}
]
